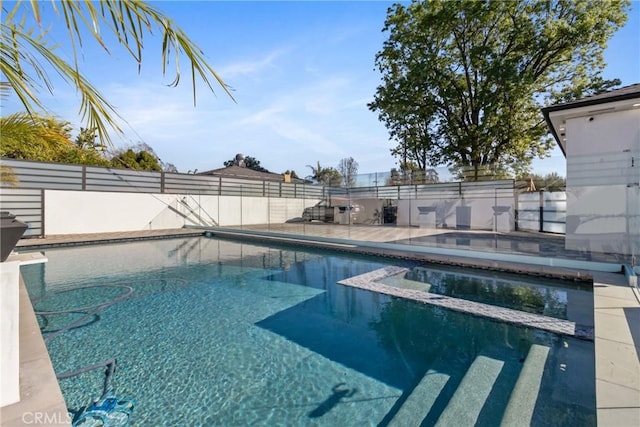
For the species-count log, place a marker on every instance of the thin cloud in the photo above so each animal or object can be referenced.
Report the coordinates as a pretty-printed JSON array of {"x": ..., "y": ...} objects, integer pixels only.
[{"x": 251, "y": 68}]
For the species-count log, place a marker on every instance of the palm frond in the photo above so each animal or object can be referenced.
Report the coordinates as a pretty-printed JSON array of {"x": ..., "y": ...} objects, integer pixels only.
[{"x": 27, "y": 56}]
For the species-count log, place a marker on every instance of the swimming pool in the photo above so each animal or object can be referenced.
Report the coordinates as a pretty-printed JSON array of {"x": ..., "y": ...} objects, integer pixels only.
[{"x": 215, "y": 332}]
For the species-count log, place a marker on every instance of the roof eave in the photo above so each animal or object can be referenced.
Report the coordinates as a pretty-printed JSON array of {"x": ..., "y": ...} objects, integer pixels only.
[
  {"x": 553, "y": 132},
  {"x": 587, "y": 102}
]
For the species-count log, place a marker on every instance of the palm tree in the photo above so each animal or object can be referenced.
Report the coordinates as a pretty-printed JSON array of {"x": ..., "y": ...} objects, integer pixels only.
[
  {"x": 325, "y": 176},
  {"x": 33, "y": 137},
  {"x": 27, "y": 54},
  {"x": 316, "y": 173},
  {"x": 44, "y": 139}
]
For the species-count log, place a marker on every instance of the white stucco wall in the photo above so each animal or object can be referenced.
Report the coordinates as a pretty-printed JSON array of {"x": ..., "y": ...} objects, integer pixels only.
[
  {"x": 77, "y": 212},
  {"x": 603, "y": 172},
  {"x": 68, "y": 212},
  {"x": 448, "y": 213}
]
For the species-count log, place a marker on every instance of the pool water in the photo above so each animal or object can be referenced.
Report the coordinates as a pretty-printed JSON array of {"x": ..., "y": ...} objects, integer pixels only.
[
  {"x": 212, "y": 332},
  {"x": 569, "y": 300}
]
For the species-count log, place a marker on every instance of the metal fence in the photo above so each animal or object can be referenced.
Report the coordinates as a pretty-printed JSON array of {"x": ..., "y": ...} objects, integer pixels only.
[
  {"x": 24, "y": 182},
  {"x": 542, "y": 211},
  {"x": 27, "y": 205},
  {"x": 481, "y": 189},
  {"x": 56, "y": 176},
  {"x": 23, "y": 194}
]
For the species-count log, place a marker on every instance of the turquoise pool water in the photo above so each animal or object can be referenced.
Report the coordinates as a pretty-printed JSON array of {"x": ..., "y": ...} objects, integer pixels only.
[{"x": 211, "y": 332}]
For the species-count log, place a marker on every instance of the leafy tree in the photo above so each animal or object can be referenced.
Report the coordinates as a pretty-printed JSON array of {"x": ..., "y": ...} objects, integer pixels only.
[
  {"x": 248, "y": 162},
  {"x": 141, "y": 156},
  {"x": 34, "y": 138},
  {"x": 331, "y": 177},
  {"x": 83, "y": 156},
  {"x": 48, "y": 139},
  {"x": 146, "y": 161},
  {"x": 28, "y": 54},
  {"x": 45, "y": 139},
  {"x": 166, "y": 167},
  {"x": 464, "y": 81},
  {"x": 138, "y": 160},
  {"x": 348, "y": 169}
]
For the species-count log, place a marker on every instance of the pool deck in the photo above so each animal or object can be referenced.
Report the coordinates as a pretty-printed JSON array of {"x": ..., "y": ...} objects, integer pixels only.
[{"x": 616, "y": 304}]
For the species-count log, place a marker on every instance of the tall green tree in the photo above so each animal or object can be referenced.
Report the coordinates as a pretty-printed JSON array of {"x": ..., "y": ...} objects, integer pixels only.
[
  {"x": 29, "y": 55},
  {"x": 464, "y": 81}
]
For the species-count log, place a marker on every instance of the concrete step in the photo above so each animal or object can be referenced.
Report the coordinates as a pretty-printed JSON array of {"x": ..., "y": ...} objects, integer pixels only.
[
  {"x": 469, "y": 398},
  {"x": 420, "y": 401},
  {"x": 525, "y": 393}
]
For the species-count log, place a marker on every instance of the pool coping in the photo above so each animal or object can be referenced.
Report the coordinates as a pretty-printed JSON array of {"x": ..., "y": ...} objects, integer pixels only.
[
  {"x": 616, "y": 304},
  {"x": 371, "y": 281},
  {"x": 41, "y": 401},
  {"x": 520, "y": 264}
]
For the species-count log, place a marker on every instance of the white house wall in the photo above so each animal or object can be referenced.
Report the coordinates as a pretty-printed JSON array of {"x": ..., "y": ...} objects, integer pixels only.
[
  {"x": 78, "y": 212},
  {"x": 603, "y": 173}
]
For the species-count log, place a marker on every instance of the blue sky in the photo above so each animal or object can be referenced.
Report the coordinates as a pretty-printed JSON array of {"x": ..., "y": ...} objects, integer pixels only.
[{"x": 302, "y": 74}]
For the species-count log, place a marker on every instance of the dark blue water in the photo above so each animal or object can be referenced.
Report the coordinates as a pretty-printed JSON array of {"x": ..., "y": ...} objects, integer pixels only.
[
  {"x": 222, "y": 333},
  {"x": 559, "y": 299}
]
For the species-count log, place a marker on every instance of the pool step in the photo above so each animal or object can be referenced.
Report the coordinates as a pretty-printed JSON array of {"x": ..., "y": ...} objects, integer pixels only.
[
  {"x": 467, "y": 402},
  {"x": 419, "y": 402},
  {"x": 525, "y": 393}
]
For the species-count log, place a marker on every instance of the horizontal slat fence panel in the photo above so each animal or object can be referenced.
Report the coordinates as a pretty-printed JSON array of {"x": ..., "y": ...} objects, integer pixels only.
[
  {"x": 311, "y": 191},
  {"x": 388, "y": 192},
  {"x": 107, "y": 179},
  {"x": 364, "y": 193},
  {"x": 187, "y": 183},
  {"x": 288, "y": 190},
  {"x": 37, "y": 175},
  {"x": 26, "y": 205}
]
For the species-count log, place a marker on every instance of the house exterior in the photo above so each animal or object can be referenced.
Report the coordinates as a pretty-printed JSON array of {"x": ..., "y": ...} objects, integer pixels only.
[
  {"x": 241, "y": 172},
  {"x": 600, "y": 138}
]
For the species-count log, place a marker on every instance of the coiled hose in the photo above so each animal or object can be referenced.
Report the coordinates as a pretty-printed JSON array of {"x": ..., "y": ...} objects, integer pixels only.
[{"x": 89, "y": 312}]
